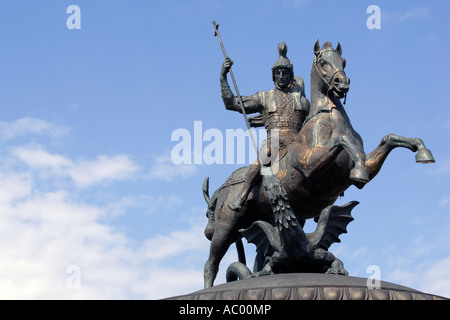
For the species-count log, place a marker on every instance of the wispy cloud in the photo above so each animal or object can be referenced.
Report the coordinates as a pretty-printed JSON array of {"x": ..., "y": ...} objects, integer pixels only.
[
  {"x": 165, "y": 246},
  {"x": 403, "y": 17},
  {"x": 46, "y": 231},
  {"x": 164, "y": 169},
  {"x": 441, "y": 167},
  {"x": 193, "y": 7},
  {"x": 83, "y": 173},
  {"x": 150, "y": 204},
  {"x": 27, "y": 125},
  {"x": 295, "y": 3},
  {"x": 436, "y": 278},
  {"x": 430, "y": 276},
  {"x": 444, "y": 201},
  {"x": 421, "y": 265},
  {"x": 103, "y": 168}
]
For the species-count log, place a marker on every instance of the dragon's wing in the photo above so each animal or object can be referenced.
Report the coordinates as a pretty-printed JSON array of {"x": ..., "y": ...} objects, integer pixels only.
[
  {"x": 264, "y": 236},
  {"x": 333, "y": 222}
]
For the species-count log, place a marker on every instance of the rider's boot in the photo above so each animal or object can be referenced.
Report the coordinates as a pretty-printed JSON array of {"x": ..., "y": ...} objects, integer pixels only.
[
  {"x": 252, "y": 178},
  {"x": 237, "y": 205}
]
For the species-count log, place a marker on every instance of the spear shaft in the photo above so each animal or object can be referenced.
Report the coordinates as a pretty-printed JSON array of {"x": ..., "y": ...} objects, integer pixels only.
[{"x": 217, "y": 34}]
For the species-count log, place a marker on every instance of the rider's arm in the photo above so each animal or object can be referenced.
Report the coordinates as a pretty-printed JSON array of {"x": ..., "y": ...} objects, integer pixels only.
[{"x": 251, "y": 103}]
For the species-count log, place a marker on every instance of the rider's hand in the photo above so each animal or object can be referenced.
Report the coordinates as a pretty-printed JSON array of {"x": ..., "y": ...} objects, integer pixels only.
[{"x": 226, "y": 66}]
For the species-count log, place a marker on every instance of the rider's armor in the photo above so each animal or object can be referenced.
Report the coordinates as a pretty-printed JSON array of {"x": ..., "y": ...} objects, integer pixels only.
[{"x": 281, "y": 109}]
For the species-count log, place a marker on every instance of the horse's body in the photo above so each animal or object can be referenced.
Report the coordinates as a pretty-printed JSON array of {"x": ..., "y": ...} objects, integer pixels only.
[{"x": 324, "y": 160}]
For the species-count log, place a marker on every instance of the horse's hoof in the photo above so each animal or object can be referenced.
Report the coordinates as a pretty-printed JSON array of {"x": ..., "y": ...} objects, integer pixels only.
[
  {"x": 424, "y": 156},
  {"x": 359, "y": 174}
]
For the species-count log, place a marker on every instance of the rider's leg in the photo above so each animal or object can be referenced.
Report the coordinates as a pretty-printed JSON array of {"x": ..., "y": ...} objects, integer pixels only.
[{"x": 251, "y": 180}]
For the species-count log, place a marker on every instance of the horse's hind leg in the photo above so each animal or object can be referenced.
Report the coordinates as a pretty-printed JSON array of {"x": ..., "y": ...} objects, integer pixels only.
[{"x": 220, "y": 242}]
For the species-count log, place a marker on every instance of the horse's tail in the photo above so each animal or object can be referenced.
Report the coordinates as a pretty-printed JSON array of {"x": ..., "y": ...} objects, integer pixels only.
[
  {"x": 240, "y": 251},
  {"x": 205, "y": 189},
  {"x": 209, "y": 230}
]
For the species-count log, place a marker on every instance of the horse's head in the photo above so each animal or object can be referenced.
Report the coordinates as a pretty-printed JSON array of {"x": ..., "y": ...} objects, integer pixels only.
[{"x": 328, "y": 70}]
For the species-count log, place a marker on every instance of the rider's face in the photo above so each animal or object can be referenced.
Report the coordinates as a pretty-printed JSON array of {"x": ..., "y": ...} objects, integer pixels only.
[{"x": 282, "y": 77}]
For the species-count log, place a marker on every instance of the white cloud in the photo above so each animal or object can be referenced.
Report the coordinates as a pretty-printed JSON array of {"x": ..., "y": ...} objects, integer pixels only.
[
  {"x": 24, "y": 126},
  {"x": 165, "y": 169},
  {"x": 162, "y": 247},
  {"x": 83, "y": 173},
  {"x": 430, "y": 277},
  {"x": 14, "y": 186},
  {"x": 103, "y": 168},
  {"x": 423, "y": 265},
  {"x": 436, "y": 278},
  {"x": 150, "y": 204},
  {"x": 42, "y": 234},
  {"x": 165, "y": 283},
  {"x": 402, "y": 17},
  {"x": 46, "y": 231},
  {"x": 36, "y": 157}
]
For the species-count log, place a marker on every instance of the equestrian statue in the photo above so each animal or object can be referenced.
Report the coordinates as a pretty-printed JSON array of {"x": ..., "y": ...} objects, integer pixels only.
[{"x": 311, "y": 156}]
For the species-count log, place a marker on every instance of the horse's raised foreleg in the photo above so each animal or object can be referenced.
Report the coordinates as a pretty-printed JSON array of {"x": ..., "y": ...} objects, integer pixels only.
[
  {"x": 375, "y": 159},
  {"x": 315, "y": 160}
]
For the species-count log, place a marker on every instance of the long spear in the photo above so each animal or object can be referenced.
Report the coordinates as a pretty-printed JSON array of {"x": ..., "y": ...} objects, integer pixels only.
[
  {"x": 273, "y": 187},
  {"x": 217, "y": 34}
]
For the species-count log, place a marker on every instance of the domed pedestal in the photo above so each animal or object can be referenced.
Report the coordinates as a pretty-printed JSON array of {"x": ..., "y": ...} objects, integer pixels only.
[{"x": 306, "y": 286}]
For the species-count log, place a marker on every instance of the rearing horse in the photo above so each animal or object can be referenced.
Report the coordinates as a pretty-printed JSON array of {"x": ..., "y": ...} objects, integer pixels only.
[{"x": 324, "y": 160}]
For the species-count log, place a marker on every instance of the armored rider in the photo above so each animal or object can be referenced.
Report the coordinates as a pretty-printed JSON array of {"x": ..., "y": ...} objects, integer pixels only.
[{"x": 281, "y": 111}]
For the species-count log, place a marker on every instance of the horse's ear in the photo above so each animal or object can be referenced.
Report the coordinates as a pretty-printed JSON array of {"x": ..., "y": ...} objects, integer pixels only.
[
  {"x": 316, "y": 47},
  {"x": 339, "y": 48}
]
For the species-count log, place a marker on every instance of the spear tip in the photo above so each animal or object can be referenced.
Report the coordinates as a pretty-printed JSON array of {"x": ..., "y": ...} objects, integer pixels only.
[{"x": 216, "y": 28}]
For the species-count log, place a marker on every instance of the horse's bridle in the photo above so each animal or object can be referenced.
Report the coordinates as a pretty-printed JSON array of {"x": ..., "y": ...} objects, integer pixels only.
[{"x": 328, "y": 82}]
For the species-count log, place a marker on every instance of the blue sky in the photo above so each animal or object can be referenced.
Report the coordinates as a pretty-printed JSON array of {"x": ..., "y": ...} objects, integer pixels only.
[{"x": 86, "y": 177}]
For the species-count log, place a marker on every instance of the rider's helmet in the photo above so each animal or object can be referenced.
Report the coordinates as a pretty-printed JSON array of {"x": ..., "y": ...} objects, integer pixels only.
[{"x": 283, "y": 61}]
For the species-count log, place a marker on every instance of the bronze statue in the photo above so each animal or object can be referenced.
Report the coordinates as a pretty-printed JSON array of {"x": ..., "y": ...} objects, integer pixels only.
[
  {"x": 322, "y": 157},
  {"x": 282, "y": 109}
]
